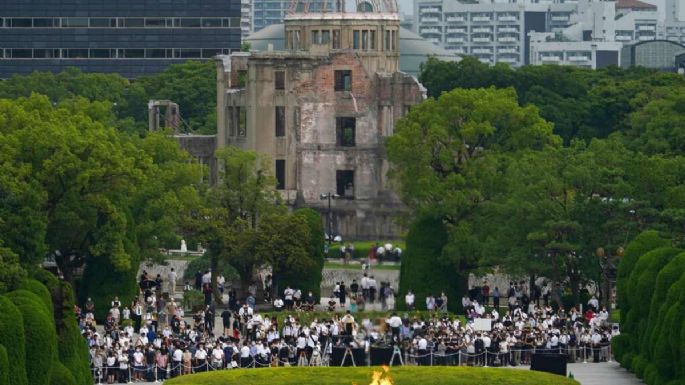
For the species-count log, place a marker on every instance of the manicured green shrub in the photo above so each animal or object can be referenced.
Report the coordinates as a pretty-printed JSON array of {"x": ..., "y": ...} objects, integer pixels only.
[
  {"x": 620, "y": 345},
  {"x": 4, "y": 366},
  {"x": 60, "y": 375},
  {"x": 39, "y": 335},
  {"x": 666, "y": 278},
  {"x": 72, "y": 347},
  {"x": 640, "y": 288},
  {"x": 643, "y": 243},
  {"x": 46, "y": 278},
  {"x": 41, "y": 291},
  {"x": 102, "y": 282},
  {"x": 310, "y": 279},
  {"x": 12, "y": 334},
  {"x": 423, "y": 271}
]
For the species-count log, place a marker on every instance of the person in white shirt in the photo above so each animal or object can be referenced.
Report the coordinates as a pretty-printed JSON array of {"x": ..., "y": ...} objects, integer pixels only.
[
  {"x": 245, "y": 358},
  {"x": 395, "y": 322},
  {"x": 138, "y": 365},
  {"x": 172, "y": 282},
  {"x": 201, "y": 358},
  {"x": 409, "y": 300},
  {"x": 430, "y": 302},
  {"x": 593, "y": 303},
  {"x": 217, "y": 357},
  {"x": 288, "y": 295},
  {"x": 177, "y": 361}
]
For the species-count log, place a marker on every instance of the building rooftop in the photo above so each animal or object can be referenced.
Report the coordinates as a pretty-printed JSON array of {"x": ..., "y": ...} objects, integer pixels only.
[
  {"x": 414, "y": 49},
  {"x": 634, "y": 4}
]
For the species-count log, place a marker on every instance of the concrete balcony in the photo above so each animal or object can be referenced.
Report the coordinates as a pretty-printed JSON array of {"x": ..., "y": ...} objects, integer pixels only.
[
  {"x": 460, "y": 50},
  {"x": 426, "y": 10},
  {"x": 456, "y": 40},
  {"x": 456, "y": 30},
  {"x": 508, "y": 30},
  {"x": 508, "y": 51},
  {"x": 508, "y": 60},
  {"x": 430, "y": 19},
  {"x": 646, "y": 28},
  {"x": 481, "y": 30},
  {"x": 560, "y": 18},
  {"x": 507, "y": 39},
  {"x": 624, "y": 38},
  {"x": 480, "y": 19},
  {"x": 430, "y": 31},
  {"x": 481, "y": 40},
  {"x": 433, "y": 40},
  {"x": 507, "y": 18},
  {"x": 455, "y": 19},
  {"x": 485, "y": 60},
  {"x": 646, "y": 37},
  {"x": 550, "y": 59},
  {"x": 579, "y": 58},
  {"x": 482, "y": 51}
]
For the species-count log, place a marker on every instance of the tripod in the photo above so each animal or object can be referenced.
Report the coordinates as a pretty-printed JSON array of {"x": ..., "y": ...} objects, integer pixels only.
[
  {"x": 348, "y": 352},
  {"x": 396, "y": 352}
]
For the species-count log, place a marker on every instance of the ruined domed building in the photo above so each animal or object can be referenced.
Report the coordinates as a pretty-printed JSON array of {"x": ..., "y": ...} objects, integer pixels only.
[{"x": 320, "y": 103}]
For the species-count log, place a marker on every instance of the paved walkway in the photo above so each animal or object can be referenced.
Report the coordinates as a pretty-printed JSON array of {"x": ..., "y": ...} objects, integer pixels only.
[{"x": 605, "y": 373}]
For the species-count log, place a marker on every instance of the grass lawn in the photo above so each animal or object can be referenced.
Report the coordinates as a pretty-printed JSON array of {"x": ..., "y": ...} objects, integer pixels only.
[
  {"x": 408, "y": 375},
  {"x": 357, "y": 266}
]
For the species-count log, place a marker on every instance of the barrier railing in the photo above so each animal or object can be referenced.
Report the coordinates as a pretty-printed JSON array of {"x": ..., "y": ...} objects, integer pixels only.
[{"x": 512, "y": 357}]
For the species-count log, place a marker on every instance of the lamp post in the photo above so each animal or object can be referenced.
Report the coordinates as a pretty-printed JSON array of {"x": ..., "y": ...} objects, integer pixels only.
[{"x": 329, "y": 217}]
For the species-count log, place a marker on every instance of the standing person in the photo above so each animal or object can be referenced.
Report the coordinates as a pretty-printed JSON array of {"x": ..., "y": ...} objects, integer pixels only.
[
  {"x": 409, "y": 300},
  {"x": 198, "y": 280},
  {"x": 226, "y": 320},
  {"x": 495, "y": 298},
  {"x": 485, "y": 291},
  {"x": 221, "y": 282},
  {"x": 372, "y": 289},
  {"x": 137, "y": 312},
  {"x": 365, "y": 286},
  {"x": 172, "y": 282},
  {"x": 430, "y": 302},
  {"x": 342, "y": 294}
]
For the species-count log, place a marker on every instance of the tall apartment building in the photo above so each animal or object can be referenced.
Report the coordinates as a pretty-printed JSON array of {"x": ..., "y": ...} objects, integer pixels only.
[
  {"x": 130, "y": 37},
  {"x": 493, "y": 32}
]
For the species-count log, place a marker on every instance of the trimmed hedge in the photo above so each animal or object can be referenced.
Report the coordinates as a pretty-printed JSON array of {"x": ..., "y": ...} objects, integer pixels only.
[
  {"x": 309, "y": 279},
  {"x": 39, "y": 335},
  {"x": 72, "y": 347},
  {"x": 60, "y": 375},
  {"x": 202, "y": 264},
  {"x": 422, "y": 270},
  {"x": 102, "y": 282},
  {"x": 4, "y": 366},
  {"x": 652, "y": 343},
  {"x": 12, "y": 334},
  {"x": 41, "y": 291}
]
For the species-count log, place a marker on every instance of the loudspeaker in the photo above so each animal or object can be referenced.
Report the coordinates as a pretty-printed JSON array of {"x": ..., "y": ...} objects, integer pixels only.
[
  {"x": 338, "y": 354},
  {"x": 550, "y": 363}
]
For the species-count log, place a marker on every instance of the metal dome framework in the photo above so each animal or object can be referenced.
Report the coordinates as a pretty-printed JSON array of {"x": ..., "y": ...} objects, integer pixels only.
[{"x": 341, "y": 6}]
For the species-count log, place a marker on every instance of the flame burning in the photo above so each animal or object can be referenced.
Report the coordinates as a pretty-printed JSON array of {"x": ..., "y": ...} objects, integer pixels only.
[{"x": 381, "y": 377}]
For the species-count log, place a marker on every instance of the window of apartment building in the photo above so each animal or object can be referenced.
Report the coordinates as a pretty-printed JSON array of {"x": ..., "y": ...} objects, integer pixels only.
[
  {"x": 211, "y": 22},
  {"x": 19, "y": 53},
  {"x": 316, "y": 34},
  {"x": 103, "y": 22},
  {"x": 103, "y": 53},
  {"x": 46, "y": 53},
  {"x": 158, "y": 53},
  {"x": 279, "y": 80},
  {"x": 356, "y": 39},
  {"x": 280, "y": 174},
  {"x": 17, "y": 22},
  {"x": 76, "y": 53},
  {"x": 75, "y": 22},
  {"x": 387, "y": 46},
  {"x": 157, "y": 22},
  {"x": 134, "y": 22},
  {"x": 280, "y": 121},
  {"x": 132, "y": 53},
  {"x": 345, "y": 129},
  {"x": 365, "y": 40},
  {"x": 45, "y": 23},
  {"x": 191, "y": 22},
  {"x": 343, "y": 80},
  {"x": 344, "y": 183}
]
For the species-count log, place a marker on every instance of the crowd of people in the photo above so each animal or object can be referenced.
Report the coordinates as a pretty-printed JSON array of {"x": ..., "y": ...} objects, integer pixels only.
[{"x": 152, "y": 338}]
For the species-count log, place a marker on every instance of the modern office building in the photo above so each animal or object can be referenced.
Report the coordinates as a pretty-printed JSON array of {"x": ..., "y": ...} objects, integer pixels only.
[
  {"x": 662, "y": 55},
  {"x": 130, "y": 37},
  {"x": 587, "y": 54},
  {"x": 493, "y": 32}
]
